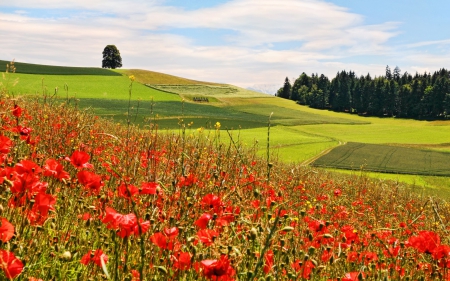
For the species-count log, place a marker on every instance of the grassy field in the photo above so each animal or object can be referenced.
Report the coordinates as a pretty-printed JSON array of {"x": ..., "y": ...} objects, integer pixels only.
[
  {"x": 57, "y": 70},
  {"x": 86, "y": 86},
  {"x": 388, "y": 159},
  {"x": 153, "y": 77},
  {"x": 209, "y": 91},
  {"x": 298, "y": 133}
]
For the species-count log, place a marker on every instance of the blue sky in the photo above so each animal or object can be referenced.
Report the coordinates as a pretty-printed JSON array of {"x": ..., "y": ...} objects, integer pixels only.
[{"x": 250, "y": 43}]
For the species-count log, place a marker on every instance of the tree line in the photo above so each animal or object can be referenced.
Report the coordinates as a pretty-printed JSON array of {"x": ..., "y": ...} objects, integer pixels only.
[{"x": 422, "y": 96}]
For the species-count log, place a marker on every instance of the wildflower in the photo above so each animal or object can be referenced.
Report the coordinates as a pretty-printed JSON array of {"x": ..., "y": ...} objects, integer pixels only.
[
  {"x": 5, "y": 144},
  {"x": 148, "y": 188},
  {"x": 181, "y": 260},
  {"x": 17, "y": 111},
  {"x": 268, "y": 262},
  {"x": 217, "y": 125},
  {"x": 54, "y": 169},
  {"x": 11, "y": 266},
  {"x": 132, "y": 78},
  {"x": 127, "y": 190},
  {"x": 79, "y": 160},
  {"x": 6, "y": 230},
  {"x": 207, "y": 236},
  {"x": 90, "y": 180},
  {"x": 425, "y": 242},
  {"x": 218, "y": 269},
  {"x": 95, "y": 257},
  {"x": 203, "y": 221}
]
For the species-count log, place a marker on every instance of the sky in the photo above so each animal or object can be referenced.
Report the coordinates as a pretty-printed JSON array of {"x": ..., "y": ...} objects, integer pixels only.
[{"x": 248, "y": 43}]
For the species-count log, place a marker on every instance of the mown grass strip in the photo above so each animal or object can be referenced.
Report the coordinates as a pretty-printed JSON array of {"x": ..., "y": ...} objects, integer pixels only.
[
  {"x": 30, "y": 68},
  {"x": 388, "y": 159}
]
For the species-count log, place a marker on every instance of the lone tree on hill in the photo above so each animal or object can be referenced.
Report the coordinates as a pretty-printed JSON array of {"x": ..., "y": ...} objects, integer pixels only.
[{"x": 111, "y": 57}]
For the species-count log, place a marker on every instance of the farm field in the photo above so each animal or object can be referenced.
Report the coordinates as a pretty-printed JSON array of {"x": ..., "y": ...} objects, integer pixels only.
[{"x": 388, "y": 159}]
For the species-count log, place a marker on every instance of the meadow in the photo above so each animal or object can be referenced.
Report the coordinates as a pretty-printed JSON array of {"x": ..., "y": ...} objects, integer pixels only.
[
  {"x": 299, "y": 134},
  {"x": 83, "y": 198}
]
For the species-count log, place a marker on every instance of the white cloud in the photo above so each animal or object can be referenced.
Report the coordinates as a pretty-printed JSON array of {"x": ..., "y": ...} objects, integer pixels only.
[{"x": 77, "y": 32}]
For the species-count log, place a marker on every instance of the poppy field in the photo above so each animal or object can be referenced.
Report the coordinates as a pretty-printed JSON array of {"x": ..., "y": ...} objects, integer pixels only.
[{"x": 86, "y": 199}]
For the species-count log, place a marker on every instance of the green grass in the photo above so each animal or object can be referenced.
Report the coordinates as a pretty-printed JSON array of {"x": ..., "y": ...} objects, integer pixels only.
[
  {"x": 153, "y": 77},
  {"x": 57, "y": 70},
  {"x": 86, "y": 86},
  {"x": 425, "y": 185},
  {"x": 216, "y": 91},
  {"x": 388, "y": 159}
]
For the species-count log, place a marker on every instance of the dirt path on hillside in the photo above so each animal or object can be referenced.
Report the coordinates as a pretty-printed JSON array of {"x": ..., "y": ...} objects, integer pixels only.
[{"x": 310, "y": 160}]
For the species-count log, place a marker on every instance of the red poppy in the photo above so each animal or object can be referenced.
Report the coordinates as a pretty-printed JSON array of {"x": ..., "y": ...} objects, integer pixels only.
[
  {"x": 5, "y": 144},
  {"x": 11, "y": 266},
  {"x": 211, "y": 201},
  {"x": 148, "y": 188},
  {"x": 171, "y": 233},
  {"x": 203, "y": 221},
  {"x": 6, "y": 230},
  {"x": 95, "y": 257},
  {"x": 218, "y": 269},
  {"x": 125, "y": 224},
  {"x": 268, "y": 262},
  {"x": 90, "y": 180},
  {"x": 27, "y": 167},
  {"x": 425, "y": 242},
  {"x": 80, "y": 159},
  {"x": 17, "y": 111},
  {"x": 352, "y": 276},
  {"x": 53, "y": 168},
  {"x": 161, "y": 240},
  {"x": 207, "y": 236},
  {"x": 127, "y": 190},
  {"x": 181, "y": 260}
]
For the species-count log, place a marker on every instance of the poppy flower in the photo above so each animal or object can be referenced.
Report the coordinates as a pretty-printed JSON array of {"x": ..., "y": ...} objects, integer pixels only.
[
  {"x": 181, "y": 260},
  {"x": 211, "y": 201},
  {"x": 148, "y": 188},
  {"x": 27, "y": 167},
  {"x": 90, "y": 180},
  {"x": 17, "y": 111},
  {"x": 6, "y": 230},
  {"x": 80, "y": 159},
  {"x": 53, "y": 168},
  {"x": 203, "y": 221},
  {"x": 172, "y": 232},
  {"x": 218, "y": 269},
  {"x": 207, "y": 236},
  {"x": 268, "y": 262},
  {"x": 352, "y": 276},
  {"x": 95, "y": 257},
  {"x": 160, "y": 240},
  {"x": 11, "y": 266},
  {"x": 425, "y": 242},
  {"x": 5, "y": 144},
  {"x": 127, "y": 190}
]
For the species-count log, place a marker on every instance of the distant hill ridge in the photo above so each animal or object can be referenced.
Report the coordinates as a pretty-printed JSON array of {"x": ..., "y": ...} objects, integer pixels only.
[
  {"x": 29, "y": 68},
  {"x": 142, "y": 76}
]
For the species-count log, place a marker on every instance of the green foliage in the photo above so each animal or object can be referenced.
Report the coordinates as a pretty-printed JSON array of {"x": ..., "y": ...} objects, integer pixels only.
[
  {"x": 57, "y": 70},
  {"x": 388, "y": 159},
  {"x": 111, "y": 57}
]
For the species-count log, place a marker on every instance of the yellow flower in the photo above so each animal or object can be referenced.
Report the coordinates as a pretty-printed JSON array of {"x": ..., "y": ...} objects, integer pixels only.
[
  {"x": 132, "y": 78},
  {"x": 217, "y": 126}
]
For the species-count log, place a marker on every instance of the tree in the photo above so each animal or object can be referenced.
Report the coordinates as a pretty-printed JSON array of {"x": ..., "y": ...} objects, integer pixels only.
[
  {"x": 111, "y": 57},
  {"x": 285, "y": 92},
  {"x": 388, "y": 73}
]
